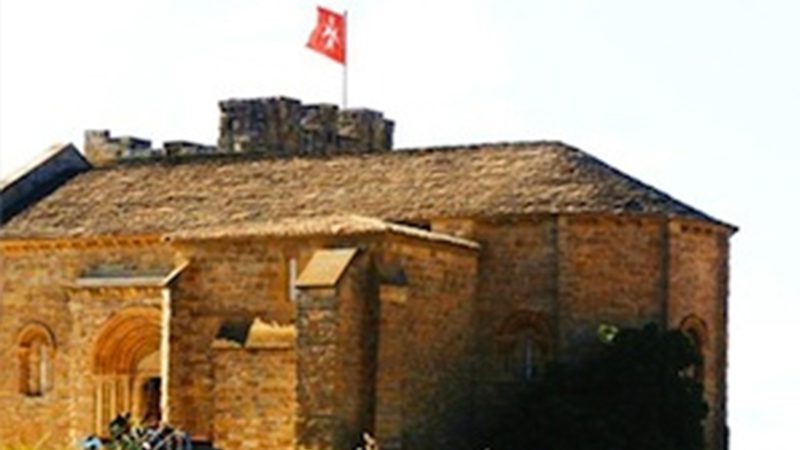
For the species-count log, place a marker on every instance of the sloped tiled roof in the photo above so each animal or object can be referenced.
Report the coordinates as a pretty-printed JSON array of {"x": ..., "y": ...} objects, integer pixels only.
[{"x": 476, "y": 181}]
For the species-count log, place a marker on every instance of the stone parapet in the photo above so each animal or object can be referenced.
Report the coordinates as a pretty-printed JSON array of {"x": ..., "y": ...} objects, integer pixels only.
[
  {"x": 275, "y": 126},
  {"x": 283, "y": 126},
  {"x": 255, "y": 397}
]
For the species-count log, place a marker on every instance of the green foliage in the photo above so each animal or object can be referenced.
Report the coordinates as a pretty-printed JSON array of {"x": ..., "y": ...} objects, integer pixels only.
[{"x": 633, "y": 395}]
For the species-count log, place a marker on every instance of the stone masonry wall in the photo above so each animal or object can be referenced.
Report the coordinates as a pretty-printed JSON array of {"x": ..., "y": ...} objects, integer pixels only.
[
  {"x": 611, "y": 270},
  {"x": 358, "y": 332},
  {"x": 32, "y": 289},
  {"x": 255, "y": 398},
  {"x": 421, "y": 397},
  {"x": 438, "y": 359},
  {"x": 318, "y": 370},
  {"x": 391, "y": 366},
  {"x": 336, "y": 359},
  {"x": 27, "y": 296},
  {"x": 575, "y": 272},
  {"x": 518, "y": 275},
  {"x": 227, "y": 279},
  {"x": 435, "y": 346},
  {"x": 580, "y": 271},
  {"x": 698, "y": 282}
]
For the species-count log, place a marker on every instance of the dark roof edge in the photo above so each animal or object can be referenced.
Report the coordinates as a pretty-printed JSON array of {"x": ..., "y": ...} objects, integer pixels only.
[
  {"x": 42, "y": 176},
  {"x": 42, "y": 158},
  {"x": 691, "y": 210}
]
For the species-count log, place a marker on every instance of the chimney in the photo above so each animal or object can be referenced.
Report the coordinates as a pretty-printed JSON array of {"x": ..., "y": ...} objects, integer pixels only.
[
  {"x": 283, "y": 126},
  {"x": 101, "y": 149}
]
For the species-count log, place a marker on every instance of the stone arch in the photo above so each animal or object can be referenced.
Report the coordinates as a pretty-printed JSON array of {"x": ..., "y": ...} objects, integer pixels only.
[
  {"x": 696, "y": 330},
  {"x": 126, "y": 365},
  {"x": 125, "y": 339},
  {"x": 525, "y": 344},
  {"x": 36, "y": 346}
]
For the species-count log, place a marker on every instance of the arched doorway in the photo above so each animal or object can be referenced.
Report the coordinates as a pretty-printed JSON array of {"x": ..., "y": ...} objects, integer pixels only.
[{"x": 127, "y": 366}]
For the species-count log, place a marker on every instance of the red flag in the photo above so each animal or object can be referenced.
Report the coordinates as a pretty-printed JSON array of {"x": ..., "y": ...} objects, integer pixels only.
[{"x": 329, "y": 37}]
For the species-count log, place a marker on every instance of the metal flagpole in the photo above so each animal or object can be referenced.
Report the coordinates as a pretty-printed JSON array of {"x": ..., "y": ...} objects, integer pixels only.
[{"x": 345, "y": 38}]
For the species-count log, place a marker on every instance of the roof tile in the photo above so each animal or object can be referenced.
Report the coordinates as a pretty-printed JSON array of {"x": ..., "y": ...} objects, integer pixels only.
[{"x": 475, "y": 181}]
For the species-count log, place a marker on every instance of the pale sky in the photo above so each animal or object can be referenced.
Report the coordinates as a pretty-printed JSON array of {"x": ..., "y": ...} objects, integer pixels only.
[{"x": 700, "y": 98}]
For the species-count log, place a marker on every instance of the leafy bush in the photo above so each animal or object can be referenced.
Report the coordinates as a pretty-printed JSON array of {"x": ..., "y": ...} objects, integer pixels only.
[{"x": 635, "y": 394}]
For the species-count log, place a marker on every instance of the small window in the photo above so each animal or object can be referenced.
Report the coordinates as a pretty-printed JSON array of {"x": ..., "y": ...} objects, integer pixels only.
[
  {"x": 524, "y": 342},
  {"x": 36, "y": 348},
  {"x": 695, "y": 329},
  {"x": 525, "y": 359}
]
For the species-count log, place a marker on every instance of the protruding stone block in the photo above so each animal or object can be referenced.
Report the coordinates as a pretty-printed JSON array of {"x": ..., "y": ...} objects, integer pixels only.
[
  {"x": 184, "y": 148},
  {"x": 102, "y": 149},
  {"x": 365, "y": 130}
]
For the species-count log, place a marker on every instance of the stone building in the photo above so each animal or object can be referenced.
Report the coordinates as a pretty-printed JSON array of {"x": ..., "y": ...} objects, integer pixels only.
[{"x": 302, "y": 283}]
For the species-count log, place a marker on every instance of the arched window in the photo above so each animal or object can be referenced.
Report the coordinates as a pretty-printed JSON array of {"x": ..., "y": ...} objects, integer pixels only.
[
  {"x": 36, "y": 347},
  {"x": 695, "y": 329},
  {"x": 525, "y": 345}
]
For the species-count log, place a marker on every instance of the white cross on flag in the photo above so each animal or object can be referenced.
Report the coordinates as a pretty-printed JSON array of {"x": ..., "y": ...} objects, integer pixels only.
[{"x": 329, "y": 36}]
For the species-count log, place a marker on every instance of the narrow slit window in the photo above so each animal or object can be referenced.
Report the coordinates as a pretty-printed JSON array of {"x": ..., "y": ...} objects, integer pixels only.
[{"x": 292, "y": 285}]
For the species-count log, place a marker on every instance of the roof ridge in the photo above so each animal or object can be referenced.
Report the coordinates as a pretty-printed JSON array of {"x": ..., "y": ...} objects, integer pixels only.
[{"x": 245, "y": 157}]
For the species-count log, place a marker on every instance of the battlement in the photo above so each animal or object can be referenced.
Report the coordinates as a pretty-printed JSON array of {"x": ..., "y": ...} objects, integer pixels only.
[
  {"x": 276, "y": 126},
  {"x": 285, "y": 126}
]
